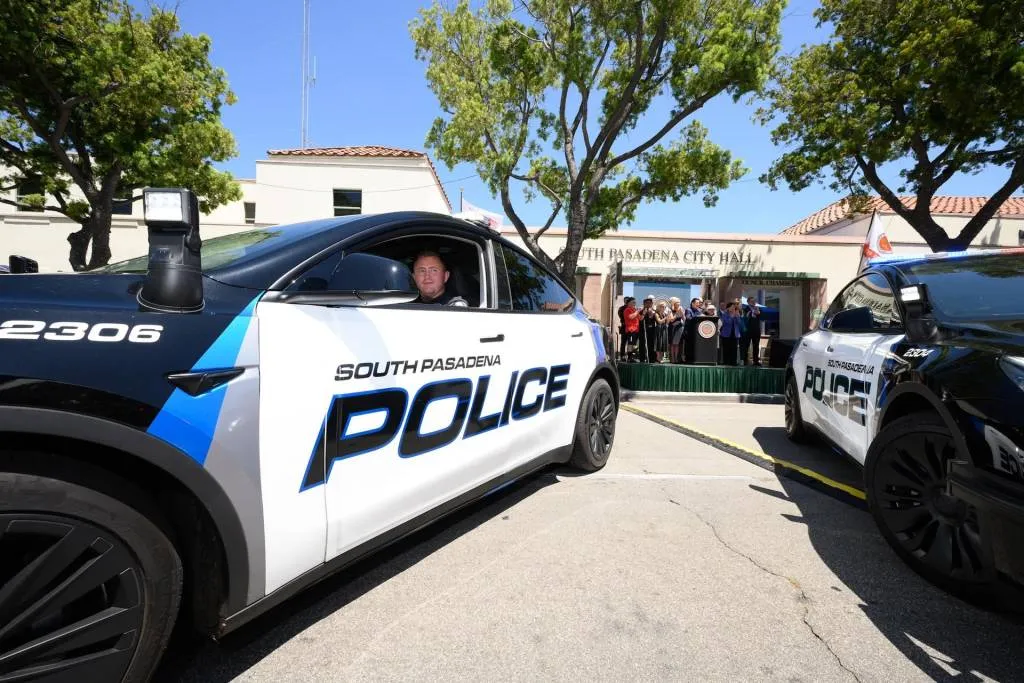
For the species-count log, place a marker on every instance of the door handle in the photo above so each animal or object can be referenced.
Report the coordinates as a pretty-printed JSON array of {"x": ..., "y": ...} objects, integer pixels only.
[
  {"x": 488, "y": 340},
  {"x": 578, "y": 334}
]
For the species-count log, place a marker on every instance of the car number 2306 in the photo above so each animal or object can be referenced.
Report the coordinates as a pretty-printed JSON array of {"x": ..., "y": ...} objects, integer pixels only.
[{"x": 79, "y": 331}]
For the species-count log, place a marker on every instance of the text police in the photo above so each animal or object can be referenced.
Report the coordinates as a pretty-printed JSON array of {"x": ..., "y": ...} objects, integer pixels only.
[{"x": 405, "y": 418}]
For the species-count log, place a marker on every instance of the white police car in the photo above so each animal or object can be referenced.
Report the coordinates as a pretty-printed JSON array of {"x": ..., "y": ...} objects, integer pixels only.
[
  {"x": 218, "y": 425},
  {"x": 916, "y": 371}
]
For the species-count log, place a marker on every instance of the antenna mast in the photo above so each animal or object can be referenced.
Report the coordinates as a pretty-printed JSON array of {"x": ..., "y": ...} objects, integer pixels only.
[{"x": 307, "y": 78}]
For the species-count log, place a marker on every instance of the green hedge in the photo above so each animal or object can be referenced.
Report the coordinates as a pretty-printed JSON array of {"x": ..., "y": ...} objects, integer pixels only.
[{"x": 702, "y": 378}]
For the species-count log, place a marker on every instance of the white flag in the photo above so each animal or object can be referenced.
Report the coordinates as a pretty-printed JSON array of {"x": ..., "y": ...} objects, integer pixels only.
[
  {"x": 876, "y": 243},
  {"x": 494, "y": 219}
]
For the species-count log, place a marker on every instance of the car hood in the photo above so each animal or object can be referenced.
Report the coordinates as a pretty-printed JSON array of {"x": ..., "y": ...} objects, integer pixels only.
[{"x": 1000, "y": 335}]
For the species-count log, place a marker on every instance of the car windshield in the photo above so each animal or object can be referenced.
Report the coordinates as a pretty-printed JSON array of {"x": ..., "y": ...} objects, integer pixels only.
[
  {"x": 969, "y": 289},
  {"x": 220, "y": 251}
]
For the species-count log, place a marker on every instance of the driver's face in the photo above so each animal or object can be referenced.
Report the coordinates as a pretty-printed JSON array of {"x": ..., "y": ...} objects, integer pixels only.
[{"x": 430, "y": 276}]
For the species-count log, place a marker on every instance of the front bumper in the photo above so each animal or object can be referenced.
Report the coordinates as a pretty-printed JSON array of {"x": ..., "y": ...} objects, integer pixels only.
[{"x": 1000, "y": 505}]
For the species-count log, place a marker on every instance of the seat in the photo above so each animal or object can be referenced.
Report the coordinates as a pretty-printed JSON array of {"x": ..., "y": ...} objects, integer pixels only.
[{"x": 465, "y": 285}]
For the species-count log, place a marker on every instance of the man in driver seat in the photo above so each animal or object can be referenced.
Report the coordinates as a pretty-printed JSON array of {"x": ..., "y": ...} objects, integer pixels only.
[{"x": 431, "y": 274}]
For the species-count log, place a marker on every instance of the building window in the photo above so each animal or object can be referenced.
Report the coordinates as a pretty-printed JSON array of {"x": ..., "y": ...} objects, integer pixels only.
[
  {"x": 348, "y": 202},
  {"x": 250, "y": 212},
  {"x": 122, "y": 207},
  {"x": 33, "y": 186}
]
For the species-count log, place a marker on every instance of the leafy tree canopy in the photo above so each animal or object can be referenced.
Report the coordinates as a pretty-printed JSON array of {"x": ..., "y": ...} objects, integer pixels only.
[
  {"x": 546, "y": 92},
  {"x": 935, "y": 88},
  {"x": 97, "y": 96}
]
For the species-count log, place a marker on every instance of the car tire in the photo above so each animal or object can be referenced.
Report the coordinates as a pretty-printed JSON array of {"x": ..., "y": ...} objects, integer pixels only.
[
  {"x": 71, "y": 554},
  {"x": 796, "y": 431},
  {"x": 940, "y": 537},
  {"x": 595, "y": 428}
]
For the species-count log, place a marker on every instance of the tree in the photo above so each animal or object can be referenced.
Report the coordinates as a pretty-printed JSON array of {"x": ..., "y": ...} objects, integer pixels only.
[
  {"x": 509, "y": 88},
  {"x": 935, "y": 86},
  {"x": 96, "y": 96}
]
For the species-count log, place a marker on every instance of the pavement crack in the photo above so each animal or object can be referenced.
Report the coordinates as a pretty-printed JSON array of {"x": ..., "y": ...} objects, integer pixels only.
[{"x": 802, "y": 596}]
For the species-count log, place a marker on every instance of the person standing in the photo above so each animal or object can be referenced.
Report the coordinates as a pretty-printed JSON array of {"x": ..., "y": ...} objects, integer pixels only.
[
  {"x": 675, "y": 331},
  {"x": 752, "y": 336},
  {"x": 730, "y": 333},
  {"x": 648, "y": 330}
]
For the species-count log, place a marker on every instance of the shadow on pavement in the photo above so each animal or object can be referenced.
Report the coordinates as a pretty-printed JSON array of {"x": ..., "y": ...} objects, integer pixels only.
[
  {"x": 189, "y": 660},
  {"x": 947, "y": 638},
  {"x": 814, "y": 455}
]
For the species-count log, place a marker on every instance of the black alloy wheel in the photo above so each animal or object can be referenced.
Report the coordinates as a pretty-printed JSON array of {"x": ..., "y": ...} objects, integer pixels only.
[
  {"x": 70, "y": 600},
  {"x": 595, "y": 427},
  {"x": 601, "y": 424},
  {"x": 937, "y": 534},
  {"x": 89, "y": 585},
  {"x": 795, "y": 429}
]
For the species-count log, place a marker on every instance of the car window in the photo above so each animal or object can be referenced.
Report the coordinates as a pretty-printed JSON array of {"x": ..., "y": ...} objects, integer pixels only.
[
  {"x": 461, "y": 256},
  {"x": 874, "y": 292},
  {"x": 318, "y": 278},
  {"x": 531, "y": 288},
  {"x": 970, "y": 289}
]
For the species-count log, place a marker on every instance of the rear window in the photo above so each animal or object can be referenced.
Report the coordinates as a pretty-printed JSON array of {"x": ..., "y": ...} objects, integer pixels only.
[{"x": 970, "y": 289}]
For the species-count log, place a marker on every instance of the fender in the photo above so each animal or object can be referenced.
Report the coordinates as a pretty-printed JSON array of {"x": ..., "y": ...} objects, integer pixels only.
[
  {"x": 176, "y": 463},
  {"x": 601, "y": 367},
  {"x": 924, "y": 392}
]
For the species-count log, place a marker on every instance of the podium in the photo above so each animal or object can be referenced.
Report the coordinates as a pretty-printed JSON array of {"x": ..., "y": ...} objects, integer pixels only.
[{"x": 701, "y": 335}]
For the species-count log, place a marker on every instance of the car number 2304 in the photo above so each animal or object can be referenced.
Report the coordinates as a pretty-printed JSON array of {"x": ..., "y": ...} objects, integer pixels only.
[{"x": 79, "y": 331}]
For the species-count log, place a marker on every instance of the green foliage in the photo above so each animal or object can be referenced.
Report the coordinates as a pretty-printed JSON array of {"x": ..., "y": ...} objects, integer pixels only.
[
  {"x": 95, "y": 95},
  {"x": 935, "y": 86},
  {"x": 517, "y": 84}
]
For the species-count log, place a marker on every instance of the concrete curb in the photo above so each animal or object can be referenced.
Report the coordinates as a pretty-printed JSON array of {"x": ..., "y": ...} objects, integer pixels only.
[{"x": 698, "y": 397}]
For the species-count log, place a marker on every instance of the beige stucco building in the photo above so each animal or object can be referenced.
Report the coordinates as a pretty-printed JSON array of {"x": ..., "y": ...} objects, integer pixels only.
[
  {"x": 291, "y": 185},
  {"x": 798, "y": 270}
]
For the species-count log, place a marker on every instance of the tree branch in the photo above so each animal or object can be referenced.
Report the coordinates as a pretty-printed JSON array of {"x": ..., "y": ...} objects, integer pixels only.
[
  {"x": 34, "y": 209},
  {"x": 653, "y": 140},
  {"x": 925, "y": 225},
  {"x": 974, "y": 226},
  {"x": 73, "y": 170}
]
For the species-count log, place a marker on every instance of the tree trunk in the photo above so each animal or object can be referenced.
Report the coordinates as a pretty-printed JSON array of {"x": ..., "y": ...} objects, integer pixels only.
[
  {"x": 573, "y": 243},
  {"x": 100, "y": 243},
  {"x": 95, "y": 229},
  {"x": 79, "y": 244}
]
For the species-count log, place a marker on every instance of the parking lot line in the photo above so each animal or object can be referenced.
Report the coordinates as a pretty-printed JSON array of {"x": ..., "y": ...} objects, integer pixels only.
[{"x": 839, "y": 490}]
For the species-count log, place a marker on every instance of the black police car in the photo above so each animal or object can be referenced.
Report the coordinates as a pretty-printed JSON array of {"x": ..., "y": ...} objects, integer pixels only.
[
  {"x": 196, "y": 435},
  {"x": 916, "y": 371}
]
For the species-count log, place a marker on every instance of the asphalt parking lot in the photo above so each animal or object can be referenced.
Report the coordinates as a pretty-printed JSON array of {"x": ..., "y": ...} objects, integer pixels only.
[{"x": 677, "y": 561}]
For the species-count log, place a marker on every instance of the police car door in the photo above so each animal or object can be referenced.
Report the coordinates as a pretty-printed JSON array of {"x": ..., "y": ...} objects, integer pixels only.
[
  {"x": 809, "y": 372},
  {"x": 854, "y": 359},
  {"x": 554, "y": 349},
  {"x": 367, "y": 404}
]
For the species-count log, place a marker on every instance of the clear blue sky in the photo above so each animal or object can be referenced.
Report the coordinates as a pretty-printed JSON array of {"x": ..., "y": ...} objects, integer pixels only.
[{"x": 371, "y": 90}]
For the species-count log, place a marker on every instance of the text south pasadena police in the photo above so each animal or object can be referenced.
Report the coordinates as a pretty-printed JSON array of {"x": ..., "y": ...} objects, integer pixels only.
[{"x": 384, "y": 368}]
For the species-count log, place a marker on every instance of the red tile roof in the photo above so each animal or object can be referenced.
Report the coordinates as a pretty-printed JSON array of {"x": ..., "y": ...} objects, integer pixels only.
[
  {"x": 364, "y": 151},
  {"x": 942, "y": 205}
]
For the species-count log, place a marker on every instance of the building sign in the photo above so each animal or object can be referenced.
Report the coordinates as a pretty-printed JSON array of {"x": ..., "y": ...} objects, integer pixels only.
[
  {"x": 771, "y": 283},
  {"x": 689, "y": 256}
]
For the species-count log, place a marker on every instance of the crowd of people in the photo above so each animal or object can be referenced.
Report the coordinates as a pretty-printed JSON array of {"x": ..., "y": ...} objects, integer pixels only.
[{"x": 655, "y": 332}]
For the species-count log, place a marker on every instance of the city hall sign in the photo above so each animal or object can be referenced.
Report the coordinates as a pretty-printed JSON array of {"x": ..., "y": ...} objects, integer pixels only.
[{"x": 689, "y": 256}]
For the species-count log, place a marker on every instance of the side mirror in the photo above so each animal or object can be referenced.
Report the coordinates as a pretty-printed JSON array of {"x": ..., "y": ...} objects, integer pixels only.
[
  {"x": 859, "y": 318},
  {"x": 23, "y": 264},
  {"x": 359, "y": 280}
]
